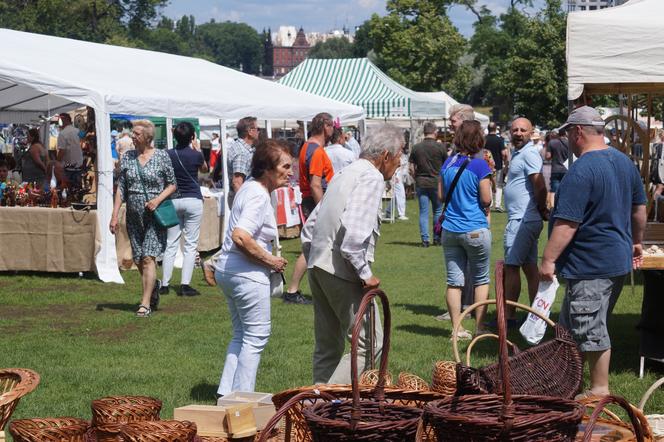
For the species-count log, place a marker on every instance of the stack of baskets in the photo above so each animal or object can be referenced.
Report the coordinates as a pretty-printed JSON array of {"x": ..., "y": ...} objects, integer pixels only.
[{"x": 111, "y": 414}]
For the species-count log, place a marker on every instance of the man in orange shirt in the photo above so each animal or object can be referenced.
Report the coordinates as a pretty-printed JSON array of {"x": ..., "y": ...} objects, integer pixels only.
[{"x": 315, "y": 173}]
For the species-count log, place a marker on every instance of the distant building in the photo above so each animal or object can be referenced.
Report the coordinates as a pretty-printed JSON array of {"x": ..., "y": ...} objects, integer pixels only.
[
  {"x": 591, "y": 5},
  {"x": 319, "y": 37},
  {"x": 289, "y": 50}
]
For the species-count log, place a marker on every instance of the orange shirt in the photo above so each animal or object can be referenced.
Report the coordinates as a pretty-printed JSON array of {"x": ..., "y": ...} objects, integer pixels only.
[{"x": 319, "y": 165}]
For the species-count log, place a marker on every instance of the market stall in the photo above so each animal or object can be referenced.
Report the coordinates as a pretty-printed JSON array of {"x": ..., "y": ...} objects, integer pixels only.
[
  {"x": 42, "y": 75},
  {"x": 627, "y": 62}
]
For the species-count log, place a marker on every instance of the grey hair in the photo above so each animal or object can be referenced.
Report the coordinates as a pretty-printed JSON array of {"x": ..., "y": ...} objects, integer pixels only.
[
  {"x": 593, "y": 130},
  {"x": 465, "y": 111},
  {"x": 429, "y": 128},
  {"x": 383, "y": 138}
]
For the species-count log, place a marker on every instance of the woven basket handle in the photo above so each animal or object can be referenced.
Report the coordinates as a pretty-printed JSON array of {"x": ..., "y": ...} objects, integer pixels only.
[
  {"x": 649, "y": 393},
  {"x": 476, "y": 339},
  {"x": 636, "y": 422},
  {"x": 507, "y": 412},
  {"x": 290, "y": 403},
  {"x": 379, "y": 391}
]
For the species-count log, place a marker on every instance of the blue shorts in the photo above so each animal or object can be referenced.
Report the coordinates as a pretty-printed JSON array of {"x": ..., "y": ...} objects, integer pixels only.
[
  {"x": 472, "y": 248},
  {"x": 556, "y": 178},
  {"x": 520, "y": 242}
]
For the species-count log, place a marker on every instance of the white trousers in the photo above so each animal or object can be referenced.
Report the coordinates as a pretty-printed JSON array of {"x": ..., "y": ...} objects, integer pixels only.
[
  {"x": 249, "y": 306},
  {"x": 400, "y": 196},
  {"x": 190, "y": 214}
]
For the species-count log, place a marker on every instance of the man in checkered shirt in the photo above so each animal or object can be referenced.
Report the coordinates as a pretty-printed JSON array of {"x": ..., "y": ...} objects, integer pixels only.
[
  {"x": 240, "y": 154},
  {"x": 338, "y": 241}
]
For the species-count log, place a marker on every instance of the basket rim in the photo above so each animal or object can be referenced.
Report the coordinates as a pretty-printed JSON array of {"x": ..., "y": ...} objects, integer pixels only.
[{"x": 312, "y": 410}]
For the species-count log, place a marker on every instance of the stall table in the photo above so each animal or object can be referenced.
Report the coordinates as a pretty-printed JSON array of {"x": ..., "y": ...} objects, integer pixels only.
[{"x": 66, "y": 240}]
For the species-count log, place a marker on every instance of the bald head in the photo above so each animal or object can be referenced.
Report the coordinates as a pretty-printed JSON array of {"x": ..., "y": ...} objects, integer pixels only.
[{"x": 521, "y": 131}]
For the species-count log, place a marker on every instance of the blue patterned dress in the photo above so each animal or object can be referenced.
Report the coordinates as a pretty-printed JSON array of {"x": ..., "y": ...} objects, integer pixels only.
[{"x": 147, "y": 238}]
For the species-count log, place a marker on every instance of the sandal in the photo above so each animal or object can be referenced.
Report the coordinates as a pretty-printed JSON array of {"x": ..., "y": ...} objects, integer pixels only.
[
  {"x": 143, "y": 311},
  {"x": 463, "y": 335}
]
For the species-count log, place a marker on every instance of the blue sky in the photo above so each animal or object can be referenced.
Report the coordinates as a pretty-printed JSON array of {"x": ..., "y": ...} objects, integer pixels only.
[{"x": 312, "y": 15}]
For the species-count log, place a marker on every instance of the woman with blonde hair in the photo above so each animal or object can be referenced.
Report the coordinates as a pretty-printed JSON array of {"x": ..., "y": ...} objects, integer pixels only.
[{"x": 146, "y": 179}]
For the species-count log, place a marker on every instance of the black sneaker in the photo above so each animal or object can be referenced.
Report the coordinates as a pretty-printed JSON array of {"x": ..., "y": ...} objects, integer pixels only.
[
  {"x": 164, "y": 290},
  {"x": 295, "y": 298},
  {"x": 154, "y": 297},
  {"x": 436, "y": 241},
  {"x": 187, "y": 290},
  {"x": 425, "y": 244}
]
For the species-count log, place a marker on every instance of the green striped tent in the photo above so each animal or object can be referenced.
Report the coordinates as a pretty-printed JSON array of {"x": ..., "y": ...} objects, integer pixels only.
[{"x": 358, "y": 81}]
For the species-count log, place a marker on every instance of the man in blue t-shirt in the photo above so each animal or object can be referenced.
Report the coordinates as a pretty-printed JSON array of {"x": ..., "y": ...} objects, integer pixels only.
[
  {"x": 599, "y": 218},
  {"x": 525, "y": 201}
]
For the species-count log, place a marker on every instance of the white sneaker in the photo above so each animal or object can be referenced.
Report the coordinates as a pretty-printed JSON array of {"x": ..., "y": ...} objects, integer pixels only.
[
  {"x": 403, "y": 218},
  {"x": 444, "y": 317}
]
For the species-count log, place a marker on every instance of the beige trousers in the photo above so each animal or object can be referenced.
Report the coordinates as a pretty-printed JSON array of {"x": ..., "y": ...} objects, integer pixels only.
[{"x": 335, "y": 303}]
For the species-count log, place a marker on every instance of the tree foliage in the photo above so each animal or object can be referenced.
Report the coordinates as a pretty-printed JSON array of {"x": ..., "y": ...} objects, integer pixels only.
[
  {"x": 418, "y": 46},
  {"x": 236, "y": 45},
  {"x": 332, "y": 48}
]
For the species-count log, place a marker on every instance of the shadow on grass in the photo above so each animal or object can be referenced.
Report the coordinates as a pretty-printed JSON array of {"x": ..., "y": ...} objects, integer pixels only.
[
  {"x": 421, "y": 309},
  {"x": 203, "y": 391},
  {"x": 423, "y": 330},
  {"x": 405, "y": 243},
  {"x": 118, "y": 306},
  {"x": 51, "y": 275}
]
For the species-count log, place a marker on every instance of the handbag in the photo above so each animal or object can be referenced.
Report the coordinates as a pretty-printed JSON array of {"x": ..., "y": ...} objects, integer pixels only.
[
  {"x": 164, "y": 215},
  {"x": 438, "y": 227}
]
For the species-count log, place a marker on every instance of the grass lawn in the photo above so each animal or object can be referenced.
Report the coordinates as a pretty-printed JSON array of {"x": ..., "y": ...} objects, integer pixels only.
[{"x": 81, "y": 335}]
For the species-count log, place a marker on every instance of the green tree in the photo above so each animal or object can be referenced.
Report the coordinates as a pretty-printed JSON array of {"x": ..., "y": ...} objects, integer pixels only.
[
  {"x": 363, "y": 44},
  {"x": 235, "y": 45},
  {"x": 417, "y": 45},
  {"x": 332, "y": 48}
]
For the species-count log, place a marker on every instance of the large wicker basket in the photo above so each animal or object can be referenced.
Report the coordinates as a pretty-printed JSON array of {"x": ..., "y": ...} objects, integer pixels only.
[
  {"x": 111, "y": 413},
  {"x": 491, "y": 417},
  {"x": 368, "y": 419},
  {"x": 68, "y": 429},
  {"x": 640, "y": 427},
  {"x": 553, "y": 368},
  {"x": 159, "y": 431},
  {"x": 14, "y": 384},
  {"x": 607, "y": 421}
]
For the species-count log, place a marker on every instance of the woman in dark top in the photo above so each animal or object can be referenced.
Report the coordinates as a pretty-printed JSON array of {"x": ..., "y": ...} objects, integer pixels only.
[
  {"x": 34, "y": 160},
  {"x": 187, "y": 160}
]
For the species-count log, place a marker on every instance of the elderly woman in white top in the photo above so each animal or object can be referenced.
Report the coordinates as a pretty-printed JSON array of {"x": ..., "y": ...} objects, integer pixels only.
[{"x": 246, "y": 261}]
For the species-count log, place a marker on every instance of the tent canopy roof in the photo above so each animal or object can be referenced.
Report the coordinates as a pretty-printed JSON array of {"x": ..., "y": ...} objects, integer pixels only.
[
  {"x": 615, "y": 50},
  {"x": 358, "y": 81},
  {"x": 449, "y": 102},
  {"x": 41, "y": 74}
]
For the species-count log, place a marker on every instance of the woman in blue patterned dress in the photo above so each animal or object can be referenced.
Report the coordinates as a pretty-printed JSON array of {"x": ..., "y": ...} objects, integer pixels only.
[{"x": 147, "y": 238}]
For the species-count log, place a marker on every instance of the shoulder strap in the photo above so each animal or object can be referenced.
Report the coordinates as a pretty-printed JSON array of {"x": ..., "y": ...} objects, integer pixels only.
[
  {"x": 448, "y": 194},
  {"x": 183, "y": 168},
  {"x": 311, "y": 149}
]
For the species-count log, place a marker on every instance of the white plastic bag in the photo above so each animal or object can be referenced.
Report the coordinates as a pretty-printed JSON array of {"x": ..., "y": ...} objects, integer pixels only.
[{"x": 534, "y": 327}]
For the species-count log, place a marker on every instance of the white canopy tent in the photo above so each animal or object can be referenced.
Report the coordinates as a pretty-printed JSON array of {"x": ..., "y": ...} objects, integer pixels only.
[
  {"x": 43, "y": 75},
  {"x": 444, "y": 97},
  {"x": 616, "y": 50}
]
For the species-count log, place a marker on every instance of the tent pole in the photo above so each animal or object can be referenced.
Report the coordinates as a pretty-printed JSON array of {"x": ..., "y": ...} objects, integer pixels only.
[
  {"x": 268, "y": 128},
  {"x": 411, "y": 137},
  {"x": 169, "y": 133},
  {"x": 363, "y": 127},
  {"x": 304, "y": 130},
  {"x": 224, "y": 165}
]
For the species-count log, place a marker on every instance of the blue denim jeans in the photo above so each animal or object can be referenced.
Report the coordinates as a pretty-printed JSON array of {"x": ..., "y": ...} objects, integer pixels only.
[{"x": 423, "y": 197}]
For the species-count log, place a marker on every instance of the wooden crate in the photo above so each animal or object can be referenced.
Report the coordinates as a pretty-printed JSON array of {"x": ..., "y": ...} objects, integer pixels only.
[{"x": 209, "y": 419}]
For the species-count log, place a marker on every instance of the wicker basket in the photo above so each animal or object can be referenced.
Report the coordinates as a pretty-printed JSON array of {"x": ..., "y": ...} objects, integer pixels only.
[
  {"x": 640, "y": 432},
  {"x": 443, "y": 379},
  {"x": 110, "y": 414},
  {"x": 656, "y": 421},
  {"x": 159, "y": 431},
  {"x": 409, "y": 381},
  {"x": 369, "y": 419},
  {"x": 553, "y": 368},
  {"x": 499, "y": 418},
  {"x": 370, "y": 378},
  {"x": 69, "y": 429},
  {"x": 611, "y": 420},
  {"x": 14, "y": 384}
]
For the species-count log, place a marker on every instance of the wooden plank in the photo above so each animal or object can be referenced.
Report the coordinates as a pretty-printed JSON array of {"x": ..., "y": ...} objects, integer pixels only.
[
  {"x": 654, "y": 233},
  {"x": 652, "y": 262}
]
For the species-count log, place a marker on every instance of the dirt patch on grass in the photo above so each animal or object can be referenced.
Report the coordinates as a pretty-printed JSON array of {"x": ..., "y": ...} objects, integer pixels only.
[{"x": 115, "y": 334}]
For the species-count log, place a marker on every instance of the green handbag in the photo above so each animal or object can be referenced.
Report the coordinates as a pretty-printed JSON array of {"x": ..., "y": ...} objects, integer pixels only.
[{"x": 164, "y": 215}]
